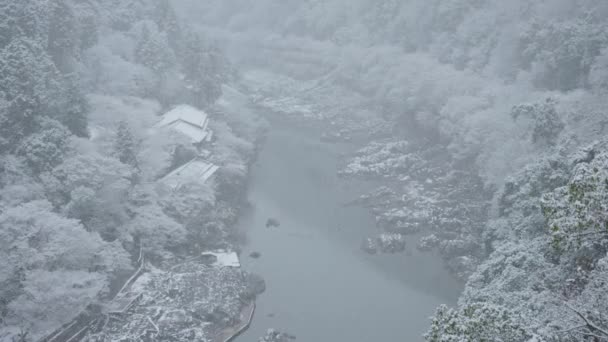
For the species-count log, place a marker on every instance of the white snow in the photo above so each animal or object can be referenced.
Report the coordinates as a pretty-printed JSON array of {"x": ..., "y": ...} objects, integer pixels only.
[{"x": 224, "y": 258}]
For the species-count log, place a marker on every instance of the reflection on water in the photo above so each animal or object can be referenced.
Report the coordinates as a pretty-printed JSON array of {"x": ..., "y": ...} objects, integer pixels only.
[{"x": 320, "y": 286}]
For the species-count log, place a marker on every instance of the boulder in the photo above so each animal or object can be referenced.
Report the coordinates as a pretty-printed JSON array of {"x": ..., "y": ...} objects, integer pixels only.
[
  {"x": 255, "y": 255},
  {"x": 272, "y": 222},
  {"x": 273, "y": 335}
]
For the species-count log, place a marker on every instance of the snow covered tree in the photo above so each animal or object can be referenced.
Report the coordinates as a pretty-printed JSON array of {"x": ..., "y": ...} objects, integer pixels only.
[
  {"x": 38, "y": 246},
  {"x": 475, "y": 323},
  {"x": 577, "y": 213},
  {"x": 95, "y": 184},
  {"x": 46, "y": 148},
  {"x": 31, "y": 85},
  {"x": 153, "y": 51},
  {"x": 204, "y": 68},
  {"x": 563, "y": 50},
  {"x": 50, "y": 299},
  {"x": 157, "y": 231},
  {"x": 73, "y": 112},
  {"x": 87, "y": 30},
  {"x": 20, "y": 19},
  {"x": 546, "y": 122},
  {"x": 126, "y": 146},
  {"x": 165, "y": 18},
  {"x": 62, "y": 35}
]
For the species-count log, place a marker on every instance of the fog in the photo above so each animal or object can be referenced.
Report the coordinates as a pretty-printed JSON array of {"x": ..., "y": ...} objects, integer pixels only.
[{"x": 319, "y": 170}]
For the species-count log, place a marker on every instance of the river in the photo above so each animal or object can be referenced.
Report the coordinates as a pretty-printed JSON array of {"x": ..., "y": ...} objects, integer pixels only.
[{"x": 319, "y": 285}]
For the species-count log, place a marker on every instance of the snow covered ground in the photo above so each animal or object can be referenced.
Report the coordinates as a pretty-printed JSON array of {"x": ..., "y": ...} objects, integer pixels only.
[
  {"x": 190, "y": 301},
  {"x": 224, "y": 258}
]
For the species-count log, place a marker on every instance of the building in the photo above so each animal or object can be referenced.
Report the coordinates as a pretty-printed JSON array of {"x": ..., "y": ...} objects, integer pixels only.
[
  {"x": 188, "y": 121},
  {"x": 197, "y": 171}
]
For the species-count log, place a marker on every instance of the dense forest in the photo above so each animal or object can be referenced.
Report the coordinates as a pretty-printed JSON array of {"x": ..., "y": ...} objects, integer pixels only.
[
  {"x": 488, "y": 124},
  {"x": 81, "y": 84}
]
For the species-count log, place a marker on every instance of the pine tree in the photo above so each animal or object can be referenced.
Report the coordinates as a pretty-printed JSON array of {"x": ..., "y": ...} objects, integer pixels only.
[
  {"x": 75, "y": 108},
  {"x": 47, "y": 147},
  {"x": 166, "y": 20},
  {"x": 31, "y": 87},
  {"x": 62, "y": 34},
  {"x": 153, "y": 52},
  {"x": 126, "y": 146},
  {"x": 24, "y": 18},
  {"x": 204, "y": 68}
]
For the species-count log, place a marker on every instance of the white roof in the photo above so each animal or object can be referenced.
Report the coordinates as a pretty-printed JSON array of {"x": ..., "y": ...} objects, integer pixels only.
[
  {"x": 187, "y": 120},
  {"x": 195, "y": 171},
  {"x": 187, "y": 114},
  {"x": 224, "y": 258},
  {"x": 195, "y": 133}
]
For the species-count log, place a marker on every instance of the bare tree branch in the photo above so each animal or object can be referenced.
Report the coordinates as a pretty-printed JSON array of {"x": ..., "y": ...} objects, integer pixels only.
[{"x": 588, "y": 323}]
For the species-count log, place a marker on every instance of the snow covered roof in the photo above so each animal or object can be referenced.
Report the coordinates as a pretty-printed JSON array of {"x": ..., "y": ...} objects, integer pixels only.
[
  {"x": 187, "y": 120},
  {"x": 195, "y": 171},
  {"x": 224, "y": 258},
  {"x": 187, "y": 114}
]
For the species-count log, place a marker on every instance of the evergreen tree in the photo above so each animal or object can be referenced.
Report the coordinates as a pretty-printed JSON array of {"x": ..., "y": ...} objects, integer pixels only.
[
  {"x": 46, "y": 148},
  {"x": 204, "y": 69},
  {"x": 88, "y": 31},
  {"x": 476, "y": 323},
  {"x": 546, "y": 122},
  {"x": 24, "y": 18},
  {"x": 166, "y": 20},
  {"x": 75, "y": 108},
  {"x": 31, "y": 87},
  {"x": 62, "y": 34},
  {"x": 126, "y": 146},
  {"x": 153, "y": 51}
]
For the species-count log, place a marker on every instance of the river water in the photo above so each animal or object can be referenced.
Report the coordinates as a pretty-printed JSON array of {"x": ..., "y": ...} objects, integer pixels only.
[{"x": 319, "y": 285}]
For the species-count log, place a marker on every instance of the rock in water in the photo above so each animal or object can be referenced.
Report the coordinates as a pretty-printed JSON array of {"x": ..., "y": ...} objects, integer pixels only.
[
  {"x": 273, "y": 335},
  {"x": 272, "y": 222},
  {"x": 370, "y": 246},
  {"x": 384, "y": 243},
  {"x": 391, "y": 243},
  {"x": 255, "y": 255}
]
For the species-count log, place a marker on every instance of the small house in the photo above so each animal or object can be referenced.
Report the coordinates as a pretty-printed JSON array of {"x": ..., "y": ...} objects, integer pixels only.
[
  {"x": 189, "y": 121},
  {"x": 197, "y": 171}
]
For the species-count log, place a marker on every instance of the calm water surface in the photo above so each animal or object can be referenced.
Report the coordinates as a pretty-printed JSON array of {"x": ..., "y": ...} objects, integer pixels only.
[{"x": 319, "y": 285}]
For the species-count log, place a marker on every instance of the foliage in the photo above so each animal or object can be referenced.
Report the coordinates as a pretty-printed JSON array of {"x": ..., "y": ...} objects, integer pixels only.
[
  {"x": 546, "y": 123},
  {"x": 126, "y": 146},
  {"x": 204, "y": 69},
  {"x": 576, "y": 213},
  {"x": 475, "y": 323},
  {"x": 46, "y": 148},
  {"x": 38, "y": 247}
]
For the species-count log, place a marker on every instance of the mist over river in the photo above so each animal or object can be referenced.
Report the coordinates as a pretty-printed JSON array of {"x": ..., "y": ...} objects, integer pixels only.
[{"x": 320, "y": 285}]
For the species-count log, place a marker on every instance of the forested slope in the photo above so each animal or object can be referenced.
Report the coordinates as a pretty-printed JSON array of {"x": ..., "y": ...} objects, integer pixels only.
[
  {"x": 82, "y": 85},
  {"x": 500, "y": 149}
]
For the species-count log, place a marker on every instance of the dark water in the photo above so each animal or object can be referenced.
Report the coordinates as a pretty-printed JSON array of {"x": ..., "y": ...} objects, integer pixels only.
[{"x": 320, "y": 286}]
